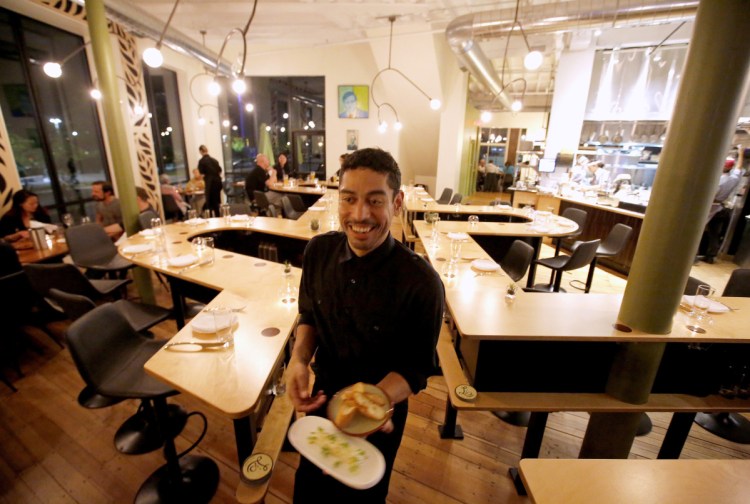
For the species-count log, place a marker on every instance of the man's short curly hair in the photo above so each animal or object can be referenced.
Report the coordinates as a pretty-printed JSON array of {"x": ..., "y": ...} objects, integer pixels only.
[{"x": 376, "y": 160}]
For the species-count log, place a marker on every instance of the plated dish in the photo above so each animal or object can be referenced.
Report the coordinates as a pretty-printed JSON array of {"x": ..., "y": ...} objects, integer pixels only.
[
  {"x": 485, "y": 265},
  {"x": 360, "y": 410},
  {"x": 353, "y": 461}
]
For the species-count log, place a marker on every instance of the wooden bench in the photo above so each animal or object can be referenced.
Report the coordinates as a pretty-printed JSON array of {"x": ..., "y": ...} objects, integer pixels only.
[{"x": 270, "y": 441}]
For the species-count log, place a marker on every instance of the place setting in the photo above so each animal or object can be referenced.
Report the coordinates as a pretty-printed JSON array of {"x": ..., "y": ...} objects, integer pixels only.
[
  {"x": 699, "y": 307},
  {"x": 213, "y": 329}
]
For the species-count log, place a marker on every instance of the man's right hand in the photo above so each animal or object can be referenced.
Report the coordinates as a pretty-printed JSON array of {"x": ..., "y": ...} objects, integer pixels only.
[{"x": 298, "y": 384}]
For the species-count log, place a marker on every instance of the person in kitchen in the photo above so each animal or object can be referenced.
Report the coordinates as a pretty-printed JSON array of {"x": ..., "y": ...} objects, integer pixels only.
[{"x": 370, "y": 311}]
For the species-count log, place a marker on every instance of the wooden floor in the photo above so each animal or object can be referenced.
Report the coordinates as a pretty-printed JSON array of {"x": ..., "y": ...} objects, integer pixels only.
[{"x": 53, "y": 450}]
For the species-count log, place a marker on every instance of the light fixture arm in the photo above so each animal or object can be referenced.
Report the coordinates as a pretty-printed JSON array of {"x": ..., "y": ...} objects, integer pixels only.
[
  {"x": 243, "y": 31},
  {"x": 75, "y": 51},
  {"x": 656, "y": 48},
  {"x": 166, "y": 26},
  {"x": 386, "y": 104}
]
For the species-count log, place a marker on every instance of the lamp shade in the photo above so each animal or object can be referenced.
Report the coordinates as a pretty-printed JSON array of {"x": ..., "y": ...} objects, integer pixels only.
[
  {"x": 533, "y": 60},
  {"x": 153, "y": 57},
  {"x": 52, "y": 69}
]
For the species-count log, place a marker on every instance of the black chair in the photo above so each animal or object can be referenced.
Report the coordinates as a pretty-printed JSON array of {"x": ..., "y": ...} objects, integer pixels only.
[
  {"x": 239, "y": 208},
  {"x": 445, "y": 197},
  {"x": 110, "y": 355},
  {"x": 144, "y": 219},
  {"x": 611, "y": 246},
  {"x": 272, "y": 211},
  {"x": 263, "y": 204},
  {"x": 91, "y": 248},
  {"x": 692, "y": 286},
  {"x": 172, "y": 211},
  {"x": 297, "y": 203},
  {"x": 44, "y": 277},
  {"x": 579, "y": 217},
  {"x": 457, "y": 197},
  {"x": 730, "y": 426},
  {"x": 583, "y": 254},
  {"x": 515, "y": 263},
  {"x": 289, "y": 211}
]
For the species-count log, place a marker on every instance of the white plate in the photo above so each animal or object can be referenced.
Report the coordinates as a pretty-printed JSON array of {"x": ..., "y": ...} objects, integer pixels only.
[
  {"x": 485, "y": 265},
  {"x": 204, "y": 323},
  {"x": 305, "y": 433},
  {"x": 317, "y": 209},
  {"x": 182, "y": 260},
  {"x": 539, "y": 229},
  {"x": 567, "y": 224},
  {"x": 458, "y": 236},
  {"x": 714, "y": 307},
  {"x": 148, "y": 233},
  {"x": 240, "y": 218},
  {"x": 137, "y": 249},
  {"x": 195, "y": 222},
  {"x": 425, "y": 199}
]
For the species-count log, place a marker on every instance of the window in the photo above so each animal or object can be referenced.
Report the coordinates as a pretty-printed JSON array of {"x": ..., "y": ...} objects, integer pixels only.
[
  {"x": 52, "y": 123},
  {"x": 166, "y": 123}
]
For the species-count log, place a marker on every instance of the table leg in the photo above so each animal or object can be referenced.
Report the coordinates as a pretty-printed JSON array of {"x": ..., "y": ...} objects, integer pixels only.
[
  {"x": 537, "y": 244},
  {"x": 531, "y": 446},
  {"x": 178, "y": 303},
  {"x": 245, "y": 437},
  {"x": 676, "y": 435},
  {"x": 449, "y": 429}
]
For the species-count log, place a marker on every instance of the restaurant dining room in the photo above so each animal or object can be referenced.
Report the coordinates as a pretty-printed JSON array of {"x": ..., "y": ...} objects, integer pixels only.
[{"x": 410, "y": 252}]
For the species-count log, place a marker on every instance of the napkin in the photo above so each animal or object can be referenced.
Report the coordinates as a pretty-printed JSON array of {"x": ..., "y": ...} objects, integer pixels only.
[
  {"x": 204, "y": 323},
  {"x": 182, "y": 260},
  {"x": 713, "y": 307},
  {"x": 485, "y": 265},
  {"x": 137, "y": 249},
  {"x": 458, "y": 236}
]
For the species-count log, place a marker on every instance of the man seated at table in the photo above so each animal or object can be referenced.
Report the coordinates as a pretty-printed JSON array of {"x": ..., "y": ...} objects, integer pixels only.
[
  {"x": 168, "y": 190},
  {"x": 370, "y": 311},
  {"x": 108, "y": 212},
  {"x": 141, "y": 198},
  {"x": 259, "y": 180}
]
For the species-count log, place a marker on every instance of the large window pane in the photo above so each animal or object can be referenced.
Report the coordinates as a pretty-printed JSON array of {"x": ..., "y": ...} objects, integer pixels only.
[{"x": 166, "y": 123}]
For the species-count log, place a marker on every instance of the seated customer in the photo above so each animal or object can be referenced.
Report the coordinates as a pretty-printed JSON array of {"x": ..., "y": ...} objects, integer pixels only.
[
  {"x": 141, "y": 197},
  {"x": 108, "y": 212},
  {"x": 167, "y": 189},
  {"x": 16, "y": 223}
]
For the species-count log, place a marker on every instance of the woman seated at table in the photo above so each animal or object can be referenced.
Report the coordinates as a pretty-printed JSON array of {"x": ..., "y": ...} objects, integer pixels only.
[{"x": 16, "y": 223}]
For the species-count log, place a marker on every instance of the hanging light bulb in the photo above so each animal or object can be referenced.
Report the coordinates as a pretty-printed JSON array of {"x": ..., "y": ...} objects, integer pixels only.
[
  {"x": 214, "y": 88},
  {"x": 138, "y": 111},
  {"x": 249, "y": 107},
  {"x": 516, "y": 106},
  {"x": 383, "y": 127},
  {"x": 398, "y": 126},
  {"x": 533, "y": 60},
  {"x": 485, "y": 116},
  {"x": 153, "y": 57},
  {"x": 285, "y": 115},
  {"x": 96, "y": 94},
  {"x": 435, "y": 104},
  {"x": 311, "y": 124},
  {"x": 201, "y": 121},
  {"x": 282, "y": 129},
  {"x": 52, "y": 69},
  {"x": 225, "y": 123},
  {"x": 268, "y": 128},
  {"x": 239, "y": 86}
]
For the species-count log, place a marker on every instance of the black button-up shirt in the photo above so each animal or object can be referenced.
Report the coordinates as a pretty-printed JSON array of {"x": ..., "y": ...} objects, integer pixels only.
[{"x": 373, "y": 314}]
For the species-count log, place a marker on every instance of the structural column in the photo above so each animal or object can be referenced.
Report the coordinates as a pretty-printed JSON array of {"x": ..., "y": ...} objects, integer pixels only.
[
  {"x": 690, "y": 164},
  {"x": 114, "y": 123}
]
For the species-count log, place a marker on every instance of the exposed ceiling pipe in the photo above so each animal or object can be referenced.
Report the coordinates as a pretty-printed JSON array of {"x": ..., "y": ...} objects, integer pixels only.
[
  {"x": 145, "y": 25},
  {"x": 464, "y": 32}
]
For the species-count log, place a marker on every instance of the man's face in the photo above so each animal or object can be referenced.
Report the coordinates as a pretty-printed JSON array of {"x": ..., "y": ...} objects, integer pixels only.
[
  {"x": 350, "y": 103},
  {"x": 97, "y": 194},
  {"x": 366, "y": 208},
  {"x": 262, "y": 161}
]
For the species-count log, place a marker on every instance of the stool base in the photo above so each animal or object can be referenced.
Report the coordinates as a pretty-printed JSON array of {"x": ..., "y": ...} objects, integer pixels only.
[
  {"x": 91, "y": 400},
  {"x": 518, "y": 418},
  {"x": 729, "y": 426},
  {"x": 198, "y": 484},
  {"x": 644, "y": 425},
  {"x": 138, "y": 434}
]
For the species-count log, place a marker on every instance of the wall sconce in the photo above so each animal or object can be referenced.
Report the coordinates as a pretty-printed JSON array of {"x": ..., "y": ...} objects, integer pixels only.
[
  {"x": 382, "y": 124},
  {"x": 153, "y": 56},
  {"x": 54, "y": 69}
]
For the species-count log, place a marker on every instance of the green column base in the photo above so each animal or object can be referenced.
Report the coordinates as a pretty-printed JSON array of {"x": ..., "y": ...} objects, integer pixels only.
[
  {"x": 609, "y": 435},
  {"x": 143, "y": 284}
]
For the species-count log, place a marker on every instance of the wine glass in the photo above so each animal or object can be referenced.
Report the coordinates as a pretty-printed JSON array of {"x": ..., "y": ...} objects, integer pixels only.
[{"x": 67, "y": 219}]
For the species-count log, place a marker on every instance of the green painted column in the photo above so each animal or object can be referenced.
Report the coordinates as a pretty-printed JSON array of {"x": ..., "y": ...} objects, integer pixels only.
[
  {"x": 114, "y": 122},
  {"x": 698, "y": 139}
]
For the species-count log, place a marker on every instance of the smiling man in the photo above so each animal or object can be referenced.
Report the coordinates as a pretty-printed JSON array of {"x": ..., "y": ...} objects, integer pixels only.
[{"x": 370, "y": 311}]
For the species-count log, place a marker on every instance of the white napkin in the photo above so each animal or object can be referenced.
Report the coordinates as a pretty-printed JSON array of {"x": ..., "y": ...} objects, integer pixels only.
[
  {"x": 48, "y": 228},
  {"x": 485, "y": 265},
  {"x": 204, "y": 323},
  {"x": 137, "y": 249},
  {"x": 148, "y": 233},
  {"x": 240, "y": 218},
  {"x": 182, "y": 260},
  {"x": 713, "y": 307},
  {"x": 458, "y": 236}
]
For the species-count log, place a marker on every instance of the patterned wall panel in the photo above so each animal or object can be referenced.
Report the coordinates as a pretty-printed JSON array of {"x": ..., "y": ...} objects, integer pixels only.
[{"x": 9, "y": 182}]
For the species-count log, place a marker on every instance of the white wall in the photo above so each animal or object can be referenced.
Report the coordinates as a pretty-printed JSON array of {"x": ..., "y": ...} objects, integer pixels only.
[{"x": 569, "y": 101}]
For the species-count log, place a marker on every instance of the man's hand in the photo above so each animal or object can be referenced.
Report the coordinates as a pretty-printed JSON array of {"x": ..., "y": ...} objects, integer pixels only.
[{"x": 298, "y": 384}]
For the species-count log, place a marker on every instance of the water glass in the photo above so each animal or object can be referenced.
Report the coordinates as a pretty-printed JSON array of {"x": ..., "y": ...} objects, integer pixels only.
[
  {"x": 156, "y": 225},
  {"x": 450, "y": 269},
  {"x": 455, "y": 250},
  {"x": 473, "y": 221},
  {"x": 223, "y": 325},
  {"x": 208, "y": 214},
  {"x": 701, "y": 304},
  {"x": 207, "y": 254},
  {"x": 225, "y": 212},
  {"x": 314, "y": 224},
  {"x": 192, "y": 216},
  {"x": 67, "y": 219},
  {"x": 85, "y": 219}
]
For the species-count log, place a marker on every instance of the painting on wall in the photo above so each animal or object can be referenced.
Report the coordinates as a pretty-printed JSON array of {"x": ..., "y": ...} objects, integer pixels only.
[
  {"x": 354, "y": 102},
  {"x": 352, "y": 140}
]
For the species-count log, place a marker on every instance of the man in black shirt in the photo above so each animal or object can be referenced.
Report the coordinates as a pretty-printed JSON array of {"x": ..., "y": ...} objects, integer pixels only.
[
  {"x": 211, "y": 171},
  {"x": 370, "y": 311},
  {"x": 256, "y": 179}
]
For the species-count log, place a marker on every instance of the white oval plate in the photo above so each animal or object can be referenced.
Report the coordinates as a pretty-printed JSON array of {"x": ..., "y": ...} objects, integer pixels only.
[
  {"x": 204, "y": 323},
  {"x": 182, "y": 260},
  {"x": 485, "y": 265},
  {"x": 714, "y": 307},
  {"x": 458, "y": 236},
  {"x": 148, "y": 233},
  {"x": 137, "y": 249},
  {"x": 370, "y": 469},
  {"x": 426, "y": 199}
]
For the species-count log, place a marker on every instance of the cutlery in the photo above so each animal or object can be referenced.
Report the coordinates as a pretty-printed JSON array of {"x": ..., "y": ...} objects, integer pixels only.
[
  {"x": 193, "y": 266},
  {"x": 202, "y": 344}
]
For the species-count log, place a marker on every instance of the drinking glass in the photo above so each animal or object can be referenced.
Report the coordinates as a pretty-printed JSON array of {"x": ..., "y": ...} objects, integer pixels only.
[
  {"x": 223, "y": 325},
  {"x": 225, "y": 212},
  {"x": 314, "y": 224},
  {"x": 473, "y": 220},
  {"x": 450, "y": 269},
  {"x": 85, "y": 219},
  {"x": 192, "y": 215},
  {"x": 67, "y": 219},
  {"x": 701, "y": 303},
  {"x": 207, "y": 253},
  {"x": 455, "y": 250},
  {"x": 208, "y": 214},
  {"x": 156, "y": 225}
]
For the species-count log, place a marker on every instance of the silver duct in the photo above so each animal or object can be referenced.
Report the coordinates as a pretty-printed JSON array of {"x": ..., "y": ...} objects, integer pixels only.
[
  {"x": 145, "y": 25},
  {"x": 464, "y": 32}
]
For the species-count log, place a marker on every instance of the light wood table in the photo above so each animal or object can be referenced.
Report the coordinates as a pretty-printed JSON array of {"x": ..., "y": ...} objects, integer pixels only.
[
  {"x": 27, "y": 254},
  {"x": 554, "y": 481}
]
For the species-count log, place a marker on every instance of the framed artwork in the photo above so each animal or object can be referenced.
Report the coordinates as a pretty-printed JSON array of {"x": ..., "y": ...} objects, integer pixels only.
[
  {"x": 354, "y": 102},
  {"x": 352, "y": 140}
]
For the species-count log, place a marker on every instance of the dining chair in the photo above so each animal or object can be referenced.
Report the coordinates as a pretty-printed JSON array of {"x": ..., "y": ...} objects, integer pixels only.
[
  {"x": 109, "y": 355},
  {"x": 172, "y": 211},
  {"x": 289, "y": 211},
  {"x": 445, "y": 197},
  {"x": 583, "y": 253},
  {"x": 457, "y": 197},
  {"x": 239, "y": 208},
  {"x": 611, "y": 246},
  {"x": 263, "y": 203},
  {"x": 579, "y": 217},
  {"x": 730, "y": 426},
  {"x": 144, "y": 219},
  {"x": 515, "y": 263},
  {"x": 44, "y": 277},
  {"x": 297, "y": 202},
  {"x": 91, "y": 248}
]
